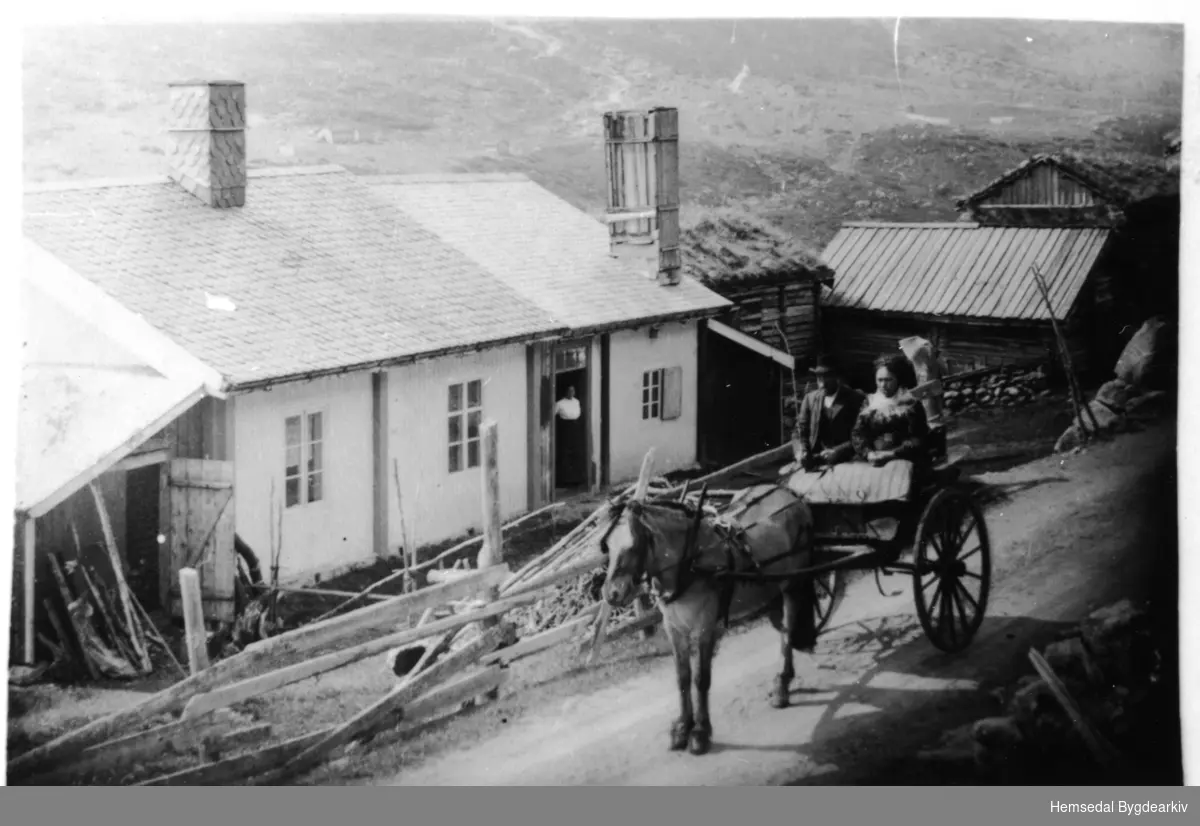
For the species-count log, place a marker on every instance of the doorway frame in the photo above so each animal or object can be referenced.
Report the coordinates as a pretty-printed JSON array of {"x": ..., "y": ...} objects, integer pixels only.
[{"x": 591, "y": 473}]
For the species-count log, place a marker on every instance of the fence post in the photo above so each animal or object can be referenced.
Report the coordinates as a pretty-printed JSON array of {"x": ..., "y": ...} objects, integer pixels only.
[
  {"x": 491, "y": 553},
  {"x": 195, "y": 638},
  {"x": 29, "y": 615}
]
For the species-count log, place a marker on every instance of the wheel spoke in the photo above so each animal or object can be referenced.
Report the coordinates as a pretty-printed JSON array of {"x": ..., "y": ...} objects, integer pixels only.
[
  {"x": 948, "y": 616},
  {"x": 935, "y": 544},
  {"x": 972, "y": 575},
  {"x": 935, "y": 578},
  {"x": 963, "y": 590},
  {"x": 958, "y": 603},
  {"x": 962, "y": 536},
  {"x": 934, "y": 600},
  {"x": 970, "y": 553}
]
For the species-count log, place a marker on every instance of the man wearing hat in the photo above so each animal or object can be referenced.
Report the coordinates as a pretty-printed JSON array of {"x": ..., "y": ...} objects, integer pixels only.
[{"x": 826, "y": 418}]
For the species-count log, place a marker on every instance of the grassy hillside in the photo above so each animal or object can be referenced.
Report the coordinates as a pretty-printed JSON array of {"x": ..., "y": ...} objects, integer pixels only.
[{"x": 810, "y": 121}]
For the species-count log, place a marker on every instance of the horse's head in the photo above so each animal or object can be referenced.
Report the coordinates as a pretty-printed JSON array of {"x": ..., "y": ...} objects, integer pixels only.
[{"x": 626, "y": 543}]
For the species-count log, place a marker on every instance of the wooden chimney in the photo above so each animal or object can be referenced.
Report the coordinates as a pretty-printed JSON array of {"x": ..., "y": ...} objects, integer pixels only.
[{"x": 641, "y": 157}]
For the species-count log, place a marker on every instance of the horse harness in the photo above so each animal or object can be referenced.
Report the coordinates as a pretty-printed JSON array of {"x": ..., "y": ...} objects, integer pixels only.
[{"x": 734, "y": 541}]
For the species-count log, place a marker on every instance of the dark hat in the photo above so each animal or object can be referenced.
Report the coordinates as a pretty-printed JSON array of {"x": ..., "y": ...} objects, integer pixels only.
[{"x": 824, "y": 365}]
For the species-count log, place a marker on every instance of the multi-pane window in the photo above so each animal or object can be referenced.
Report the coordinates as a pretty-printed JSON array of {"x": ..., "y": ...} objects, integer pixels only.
[
  {"x": 465, "y": 415},
  {"x": 662, "y": 394},
  {"x": 304, "y": 466},
  {"x": 570, "y": 358},
  {"x": 651, "y": 394}
]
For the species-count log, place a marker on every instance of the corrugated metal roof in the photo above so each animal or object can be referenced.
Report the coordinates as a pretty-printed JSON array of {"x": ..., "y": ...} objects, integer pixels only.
[{"x": 960, "y": 269}]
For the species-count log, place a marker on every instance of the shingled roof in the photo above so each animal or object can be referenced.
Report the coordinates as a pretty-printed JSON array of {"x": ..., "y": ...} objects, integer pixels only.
[
  {"x": 1119, "y": 178},
  {"x": 317, "y": 274},
  {"x": 551, "y": 253},
  {"x": 728, "y": 247}
]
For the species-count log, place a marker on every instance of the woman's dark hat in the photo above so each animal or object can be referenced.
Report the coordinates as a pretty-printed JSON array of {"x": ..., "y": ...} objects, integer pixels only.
[{"x": 824, "y": 365}]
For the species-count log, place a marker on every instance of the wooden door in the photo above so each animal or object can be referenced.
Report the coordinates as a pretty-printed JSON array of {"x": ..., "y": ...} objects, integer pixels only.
[{"x": 198, "y": 529}]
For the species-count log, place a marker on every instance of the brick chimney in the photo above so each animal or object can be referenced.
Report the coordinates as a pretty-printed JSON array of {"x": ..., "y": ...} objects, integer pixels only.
[
  {"x": 207, "y": 152},
  {"x": 641, "y": 156}
]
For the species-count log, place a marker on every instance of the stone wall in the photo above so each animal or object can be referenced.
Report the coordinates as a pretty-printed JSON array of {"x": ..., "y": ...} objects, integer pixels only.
[{"x": 1009, "y": 386}]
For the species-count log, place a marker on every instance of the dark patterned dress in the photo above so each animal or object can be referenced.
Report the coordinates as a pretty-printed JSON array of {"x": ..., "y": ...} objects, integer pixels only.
[{"x": 898, "y": 424}]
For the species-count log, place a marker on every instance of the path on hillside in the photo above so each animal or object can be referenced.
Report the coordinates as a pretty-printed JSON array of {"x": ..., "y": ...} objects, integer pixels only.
[{"x": 1075, "y": 533}]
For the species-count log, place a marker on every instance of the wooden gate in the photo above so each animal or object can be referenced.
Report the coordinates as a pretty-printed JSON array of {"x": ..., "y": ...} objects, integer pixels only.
[{"x": 198, "y": 530}]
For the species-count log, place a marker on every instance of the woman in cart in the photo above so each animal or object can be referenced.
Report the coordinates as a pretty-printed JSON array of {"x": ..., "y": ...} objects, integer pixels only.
[{"x": 892, "y": 424}]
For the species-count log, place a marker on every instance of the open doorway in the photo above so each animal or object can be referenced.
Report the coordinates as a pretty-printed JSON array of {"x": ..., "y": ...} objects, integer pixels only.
[{"x": 570, "y": 429}]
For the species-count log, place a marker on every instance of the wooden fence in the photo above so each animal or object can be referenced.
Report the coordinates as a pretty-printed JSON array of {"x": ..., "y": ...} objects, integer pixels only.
[{"x": 444, "y": 679}]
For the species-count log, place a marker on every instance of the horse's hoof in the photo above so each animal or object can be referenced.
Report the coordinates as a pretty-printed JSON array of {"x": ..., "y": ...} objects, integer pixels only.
[
  {"x": 780, "y": 697},
  {"x": 679, "y": 736},
  {"x": 700, "y": 742}
]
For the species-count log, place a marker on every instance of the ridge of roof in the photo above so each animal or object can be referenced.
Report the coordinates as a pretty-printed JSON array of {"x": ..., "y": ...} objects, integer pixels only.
[
  {"x": 910, "y": 225},
  {"x": 149, "y": 180},
  {"x": 446, "y": 178}
]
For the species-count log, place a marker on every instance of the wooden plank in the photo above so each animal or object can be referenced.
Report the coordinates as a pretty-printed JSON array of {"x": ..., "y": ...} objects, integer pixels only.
[
  {"x": 767, "y": 456},
  {"x": 294, "y": 643},
  {"x": 379, "y": 452},
  {"x": 1102, "y": 750},
  {"x": 126, "y": 753},
  {"x": 237, "y": 769},
  {"x": 123, "y": 591},
  {"x": 231, "y": 694},
  {"x": 220, "y": 573},
  {"x": 199, "y": 484},
  {"x": 213, "y": 747},
  {"x": 544, "y": 640},
  {"x": 165, "y": 553},
  {"x": 233, "y": 770},
  {"x": 68, "y": 598},
  {"x": 29, "y": 574},
  {"x": 492, "y": 552},
  {"x": 193, "y": 620},
  {"x": 68, "y": 648},
  {"x": 573, "y": 569},
  {"x": 429, "y": 563},
  {"x": 383, "y": 709}
]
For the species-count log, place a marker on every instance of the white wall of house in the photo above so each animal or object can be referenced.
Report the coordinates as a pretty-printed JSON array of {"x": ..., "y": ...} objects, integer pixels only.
[
  {"x": 324, "y": 536},
  {"x": 631, "y": 354},
  {"x": 440, "y": 504}
]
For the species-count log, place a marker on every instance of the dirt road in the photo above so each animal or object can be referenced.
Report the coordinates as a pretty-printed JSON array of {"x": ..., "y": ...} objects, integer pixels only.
[{"x": 1071, "y": 535}]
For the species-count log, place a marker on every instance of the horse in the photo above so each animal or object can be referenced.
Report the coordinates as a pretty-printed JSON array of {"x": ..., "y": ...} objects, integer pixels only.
[{"x": 702, "y": 571}]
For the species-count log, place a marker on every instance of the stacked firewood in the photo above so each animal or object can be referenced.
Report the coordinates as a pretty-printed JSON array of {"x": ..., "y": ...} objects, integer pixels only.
[{"x": 100, "y": 634}]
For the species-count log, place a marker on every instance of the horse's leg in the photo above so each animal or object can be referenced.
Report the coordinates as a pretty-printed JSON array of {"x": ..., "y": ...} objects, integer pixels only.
[
  {"x": 783, "y": 682},
  {"x": 680, "y": 645},
  {"x": 701, "y": 738}
]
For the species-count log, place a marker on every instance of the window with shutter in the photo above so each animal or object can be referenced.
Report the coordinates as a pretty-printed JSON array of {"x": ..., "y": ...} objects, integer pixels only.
[{"x": 672, "y": 393}]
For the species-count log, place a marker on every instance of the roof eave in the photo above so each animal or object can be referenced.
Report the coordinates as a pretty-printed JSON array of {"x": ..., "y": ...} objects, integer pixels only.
[
  {"x": 648, "y": 321},
  {"x": 239, "y": 386}
]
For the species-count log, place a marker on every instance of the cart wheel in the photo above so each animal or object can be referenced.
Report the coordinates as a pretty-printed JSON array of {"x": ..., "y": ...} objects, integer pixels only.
[
  {"x": 952, "y": 569},
  {"x": 830, "y": 588}
]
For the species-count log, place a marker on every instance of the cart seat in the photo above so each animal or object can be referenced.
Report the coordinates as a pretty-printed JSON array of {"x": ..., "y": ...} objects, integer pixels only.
[{"x": 855, "y": 483}]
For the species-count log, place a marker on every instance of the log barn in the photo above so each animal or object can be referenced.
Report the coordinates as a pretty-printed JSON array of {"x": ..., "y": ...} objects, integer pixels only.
[
  {"x": 771, "y": 333},
  {"x": 1103, "y": 232}
]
